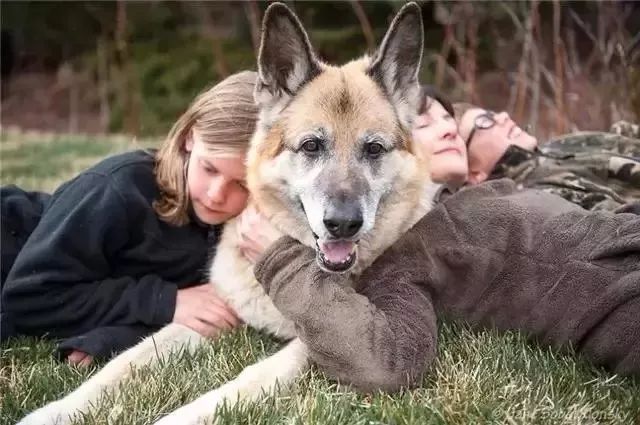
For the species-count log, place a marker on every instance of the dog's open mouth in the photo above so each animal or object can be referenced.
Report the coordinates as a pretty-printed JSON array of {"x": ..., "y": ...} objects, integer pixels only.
[{"x": 336, "y": 255}]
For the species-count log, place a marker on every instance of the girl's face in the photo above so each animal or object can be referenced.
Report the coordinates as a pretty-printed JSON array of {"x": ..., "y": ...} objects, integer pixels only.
[
  {"x": 437, "y": 132},
  {"x": 216, "y": 185}
]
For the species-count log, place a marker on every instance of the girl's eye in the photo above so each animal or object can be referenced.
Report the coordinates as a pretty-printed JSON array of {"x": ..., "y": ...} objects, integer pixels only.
[{"x": 208, "y": 168}]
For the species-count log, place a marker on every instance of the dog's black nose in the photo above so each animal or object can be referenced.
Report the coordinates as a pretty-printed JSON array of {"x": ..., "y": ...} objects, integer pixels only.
[{"x": 343, "y": 221}]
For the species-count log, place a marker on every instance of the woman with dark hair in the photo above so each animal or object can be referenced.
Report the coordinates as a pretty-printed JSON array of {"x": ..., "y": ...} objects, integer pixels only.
[{"x": 436, "y": 130}]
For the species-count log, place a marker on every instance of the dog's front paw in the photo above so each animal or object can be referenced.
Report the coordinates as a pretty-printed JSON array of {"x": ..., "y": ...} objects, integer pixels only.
[{"x": 52, "y": 414}]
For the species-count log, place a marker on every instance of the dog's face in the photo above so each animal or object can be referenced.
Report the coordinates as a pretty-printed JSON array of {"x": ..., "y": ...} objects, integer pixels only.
[{"x": 333, "y": 142}]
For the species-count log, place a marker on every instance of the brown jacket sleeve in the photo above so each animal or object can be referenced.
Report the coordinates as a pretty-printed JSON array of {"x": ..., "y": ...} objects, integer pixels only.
[
  {"x": 381, "y": 338},
  {"x": 527, "y": 260},
  {"x": 490, "y": 255}
]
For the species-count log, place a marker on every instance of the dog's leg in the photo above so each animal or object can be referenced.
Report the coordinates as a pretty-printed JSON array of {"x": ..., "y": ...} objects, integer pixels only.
[
  {"x": 169, "y": 339},
  {"x": 267, "y": 376}
]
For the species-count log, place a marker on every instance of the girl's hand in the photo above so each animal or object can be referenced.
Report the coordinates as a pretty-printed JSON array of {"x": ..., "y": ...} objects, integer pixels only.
[
  {"x": 201, "y": 309},
  {"x": 79, "y": 358},
  {"x": 255, "y": 233}
]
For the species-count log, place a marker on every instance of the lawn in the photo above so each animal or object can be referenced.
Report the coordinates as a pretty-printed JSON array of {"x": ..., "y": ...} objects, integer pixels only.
[{"x": 479, "y": 377}]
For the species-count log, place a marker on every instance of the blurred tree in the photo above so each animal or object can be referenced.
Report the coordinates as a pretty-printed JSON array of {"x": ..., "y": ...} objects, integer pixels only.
[{"x": 560, "y": 65}]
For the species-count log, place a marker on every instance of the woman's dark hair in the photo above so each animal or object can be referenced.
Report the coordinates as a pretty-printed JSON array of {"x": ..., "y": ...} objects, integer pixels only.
[{"x": 430, "y": 92}]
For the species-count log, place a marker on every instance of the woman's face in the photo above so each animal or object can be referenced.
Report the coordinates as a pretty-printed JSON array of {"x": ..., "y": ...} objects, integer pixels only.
[
  {"x": 216, "y": 185},
  {"x": 493, "y": 134},
  {"x": 437, "y": 132}
]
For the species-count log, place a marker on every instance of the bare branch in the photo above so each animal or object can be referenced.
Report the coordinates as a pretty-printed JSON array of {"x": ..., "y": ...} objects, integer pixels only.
[
  {"x": 574, "y": 67},
  {"x": 472, "y": 39},
  {"x": 202, "y": 12},
  {"x": 365, "y": 25},
  {"x": 129, "y": 93},
  {"x": 521, "y": 92},
  {"x": 559, "y": 67},
  {"x": 516, "y": 21},
  {"x": 253, "y": 16},
  {"x": 444, "y": 54},
  {"x": 103, "y": 83},
  {"x": 583, "y": 26},
  {"x": 451, "y": 71}
]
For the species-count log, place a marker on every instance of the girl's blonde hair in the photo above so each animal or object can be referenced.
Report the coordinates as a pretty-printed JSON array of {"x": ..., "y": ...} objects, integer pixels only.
[{"x": 224, "y": 117}]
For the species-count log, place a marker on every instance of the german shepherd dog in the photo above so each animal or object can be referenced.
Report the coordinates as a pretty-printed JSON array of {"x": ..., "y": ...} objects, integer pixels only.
[{"x": 332, "y": 164}]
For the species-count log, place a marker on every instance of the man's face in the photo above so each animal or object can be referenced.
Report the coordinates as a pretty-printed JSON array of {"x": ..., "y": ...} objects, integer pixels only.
[{"x": 490, "y": 135}]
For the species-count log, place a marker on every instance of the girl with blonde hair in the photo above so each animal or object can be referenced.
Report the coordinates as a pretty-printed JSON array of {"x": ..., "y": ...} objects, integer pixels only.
[{"x": 120, "y": 250}]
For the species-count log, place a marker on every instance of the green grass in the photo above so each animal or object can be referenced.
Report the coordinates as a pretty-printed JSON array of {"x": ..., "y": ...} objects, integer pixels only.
[
  {"x": 37, "y": 161},
  {"x": 479, "y": 377}
]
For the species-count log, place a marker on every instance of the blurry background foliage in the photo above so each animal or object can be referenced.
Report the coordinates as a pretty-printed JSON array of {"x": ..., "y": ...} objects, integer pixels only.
[{"x": 133, "y": 67}]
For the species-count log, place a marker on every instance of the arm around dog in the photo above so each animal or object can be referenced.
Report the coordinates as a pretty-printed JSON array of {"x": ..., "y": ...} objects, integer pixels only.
[
  {"x": 491, "y": 255},
  {"x": 383, "y": 337}
]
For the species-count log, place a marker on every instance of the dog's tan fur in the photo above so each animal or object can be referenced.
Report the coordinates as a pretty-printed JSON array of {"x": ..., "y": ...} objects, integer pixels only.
[
  {"x": 347, "y": 102},
  {"x": 345, "y": 99},
  {"x": 347, "y": 109}
]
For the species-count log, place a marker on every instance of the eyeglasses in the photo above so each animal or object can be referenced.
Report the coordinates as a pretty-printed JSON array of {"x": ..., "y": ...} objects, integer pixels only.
[{"x": 483, "y": 121}]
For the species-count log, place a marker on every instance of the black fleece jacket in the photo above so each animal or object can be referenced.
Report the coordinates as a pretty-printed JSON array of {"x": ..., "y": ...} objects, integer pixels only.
[{"x": 100, "y": 269}]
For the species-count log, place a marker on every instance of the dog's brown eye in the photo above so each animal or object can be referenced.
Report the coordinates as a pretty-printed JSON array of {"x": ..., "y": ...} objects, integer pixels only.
[
  {"x": 374, "y": 149},
  {"x": 311, "y": 146}
]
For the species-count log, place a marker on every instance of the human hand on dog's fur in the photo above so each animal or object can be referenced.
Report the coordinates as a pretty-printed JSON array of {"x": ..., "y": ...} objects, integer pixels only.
[
  {"x": 201, "y": 309},
  {"x": 255, "y": 234}
]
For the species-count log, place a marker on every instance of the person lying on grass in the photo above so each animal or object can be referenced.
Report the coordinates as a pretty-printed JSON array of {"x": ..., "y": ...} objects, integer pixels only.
[
  {"x": 596, "y": 170},
  {"x": 121, "y": 250},
  {"x": 490, "y": 254}
]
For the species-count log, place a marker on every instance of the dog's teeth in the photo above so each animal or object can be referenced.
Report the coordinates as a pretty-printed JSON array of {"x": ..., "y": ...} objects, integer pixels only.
[{"x": 348, "y": 259}]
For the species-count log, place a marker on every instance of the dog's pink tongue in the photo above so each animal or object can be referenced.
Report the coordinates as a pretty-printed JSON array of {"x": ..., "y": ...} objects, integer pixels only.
[{"x": 336, "y": 252}]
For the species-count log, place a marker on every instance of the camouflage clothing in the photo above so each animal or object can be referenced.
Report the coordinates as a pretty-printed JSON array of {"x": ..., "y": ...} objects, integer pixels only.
[
  {"x": 592, "y": 169},
  {"x": 625, "y": 128}
]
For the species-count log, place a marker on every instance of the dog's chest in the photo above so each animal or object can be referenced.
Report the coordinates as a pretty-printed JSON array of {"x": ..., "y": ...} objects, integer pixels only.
[{"x": 232, "y": 276}]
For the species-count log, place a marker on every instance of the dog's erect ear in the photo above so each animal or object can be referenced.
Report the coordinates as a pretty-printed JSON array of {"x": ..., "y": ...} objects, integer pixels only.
[
  {"x": 286, "y": 60},
  {"x": 396, "y": 63}
]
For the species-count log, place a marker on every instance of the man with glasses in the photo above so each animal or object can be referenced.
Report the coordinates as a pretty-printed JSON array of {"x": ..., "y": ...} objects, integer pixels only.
[{"x": 595, "y": 170}]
